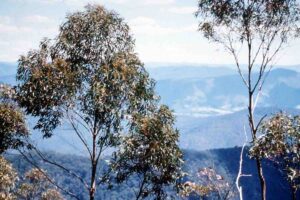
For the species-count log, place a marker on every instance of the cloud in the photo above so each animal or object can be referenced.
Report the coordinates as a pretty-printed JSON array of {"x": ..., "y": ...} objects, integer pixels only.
[
  {"x": 158, "y": 2},
  {"x": 149, "y": 26},
  {"x": 8, "y": 29},
  {"x": 5, "y": 19},
  {"x": 76, "y": 3},
  {"x": 182, "y": 10},
  {"x": 37, "y": 19},
  {"x": 204, "y": 111},
  {"x": 18, "y": 35}
]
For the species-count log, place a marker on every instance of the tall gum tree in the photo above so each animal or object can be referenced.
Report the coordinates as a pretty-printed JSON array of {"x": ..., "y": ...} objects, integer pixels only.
[
  {"x": 90, "y": 77},
  {"x": 257, "y": 28}
]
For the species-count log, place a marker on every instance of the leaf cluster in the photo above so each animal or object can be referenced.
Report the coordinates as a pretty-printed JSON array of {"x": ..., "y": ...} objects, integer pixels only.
[
  {"x": 151, "y": 153},
  {"x": 12, "y": 121},
  {"x": 280, "y": 142}
]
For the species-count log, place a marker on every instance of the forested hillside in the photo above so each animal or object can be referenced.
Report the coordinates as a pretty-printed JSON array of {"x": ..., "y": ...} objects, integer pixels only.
[{"x": 225, "y": 162}]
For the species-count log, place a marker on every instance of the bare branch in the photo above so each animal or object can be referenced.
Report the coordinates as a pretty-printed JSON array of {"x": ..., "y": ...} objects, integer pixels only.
[
  {"x": 40, "y": 154},
  {"x": 80, "y": 136},
  {"x": 47, "y": 177},
  {"x": 240, "y": 173}
]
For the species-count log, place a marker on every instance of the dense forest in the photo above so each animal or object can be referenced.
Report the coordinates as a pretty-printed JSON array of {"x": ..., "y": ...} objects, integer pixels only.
[{"x": 224, "y": 161}]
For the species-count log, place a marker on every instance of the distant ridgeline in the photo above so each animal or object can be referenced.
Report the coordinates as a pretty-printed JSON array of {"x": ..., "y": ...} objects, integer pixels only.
[
  {"x": 225, "y": 162},
  {"x": 208, "y": 102}
]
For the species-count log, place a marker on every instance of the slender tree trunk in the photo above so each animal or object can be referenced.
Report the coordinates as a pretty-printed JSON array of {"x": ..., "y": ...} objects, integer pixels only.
[
  {"x": 294, "y": 193},
  {"x": 261, "y": 179},
  {"x": 93, "y": 183},
  {"x": 253, "y": 128},
  {"x": 252, "y": 125},
  {"x": 141, "y": 189},
  {"x": 93, "y": 170}
]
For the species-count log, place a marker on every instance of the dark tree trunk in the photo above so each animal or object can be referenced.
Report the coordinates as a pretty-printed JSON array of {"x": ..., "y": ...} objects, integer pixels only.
[
  {"x": 261, "y": 179},
  {"x": 294, "y": 193},
  {"x": 141, "y": 189},
  {"x": 93, "y": 169},
  {"x": 253, "y": 129}
]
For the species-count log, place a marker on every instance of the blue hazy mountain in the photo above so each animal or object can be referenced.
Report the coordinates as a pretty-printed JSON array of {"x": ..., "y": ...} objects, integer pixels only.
[
  {"x": 7, "y": 69},
  {"x": 222, "y": 131},
  {"x": 188, "y": 72},
  {"x": 8, "y": 72},
  {"x": 219, "y": 95},
  {"x": 209, "y": 103}
]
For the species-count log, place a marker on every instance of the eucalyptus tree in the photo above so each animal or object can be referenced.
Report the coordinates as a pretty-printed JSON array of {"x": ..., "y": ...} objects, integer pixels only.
[
  {"x": 151, "y": 155},
  {"x": 253, "y": 32},
  {"x": 8, "y": 178},
  {"x": 13, "y": 128},
  {"x": 89, "y": 76},
  {"x": 36, "y": 186},
  {"x": 280, "y": 143},
  {"x": 209, "y": 185}
]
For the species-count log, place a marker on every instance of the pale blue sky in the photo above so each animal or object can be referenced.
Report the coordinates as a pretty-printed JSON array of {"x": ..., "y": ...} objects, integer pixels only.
[{"x": 165, "y": 30}]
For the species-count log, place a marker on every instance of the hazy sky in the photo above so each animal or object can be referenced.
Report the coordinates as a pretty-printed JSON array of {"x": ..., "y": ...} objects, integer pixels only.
[{"x": 165, "y": 30}]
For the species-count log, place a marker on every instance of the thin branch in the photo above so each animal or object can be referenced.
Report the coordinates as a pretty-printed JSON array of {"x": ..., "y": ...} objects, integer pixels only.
[
  {"x": 82, "y": 118},
  {"x": 260, "y": 121},
  {"x": 231, "y": 49},
  {"x": 240, "y": 173},
  {"x": 80, "y": 135},
  {"x": 47, "y": 177},
  {"x": 40, "y": 154}
]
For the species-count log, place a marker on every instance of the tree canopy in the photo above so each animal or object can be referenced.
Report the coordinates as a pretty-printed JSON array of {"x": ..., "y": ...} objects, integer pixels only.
[
  {"x": 280, "y": 142},
  {"x": 150, "y": 152},
  {"x": 88, "y": 78},
  {"x": 12, "y": 121}
]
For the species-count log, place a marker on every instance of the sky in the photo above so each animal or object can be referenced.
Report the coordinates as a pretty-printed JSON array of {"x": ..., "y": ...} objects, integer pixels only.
[{"x": 165, "y": 30}]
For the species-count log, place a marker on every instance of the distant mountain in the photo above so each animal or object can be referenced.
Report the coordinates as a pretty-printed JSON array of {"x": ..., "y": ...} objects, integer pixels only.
[
  {"x": 225, "y": 162},
  {"x": 221, "y": 95},
  {"x": 222, "y": 131},
  {"x": 7, "y": 69},
  {"x": 209, "y": 103},
  {"x": 188, "y": 72}
]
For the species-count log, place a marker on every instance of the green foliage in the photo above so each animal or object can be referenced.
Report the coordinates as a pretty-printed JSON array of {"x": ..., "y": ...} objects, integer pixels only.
[
  {"x": 150, "y": 153},
  {"x": 280, "y": 142},
  {"x": 210, "y": 185},
  {"x": 12, "y": 122},
  {"x": 90, "y": 77},
  {"x": 8, "y": 177},
  {"x": 37, "y": 186},
  {"x": 259, "y": 29},
  {"x": 254, "y": 20},
  {"x": 90, "y": 70}
]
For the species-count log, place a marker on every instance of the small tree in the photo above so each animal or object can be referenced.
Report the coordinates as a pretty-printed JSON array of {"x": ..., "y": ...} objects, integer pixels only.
[
  {"x": 8, "y": 177},
  {"x": 37, "y": 186},
  {"x": 12, "y": 121},
  {"x": 280, "y": 142},
  {"x": 51, "y": 194},
  {"x": 259, "y": 29},
  {"x": 151, "y": 154},
  {"x": 209, "y": 185},
  {"x": 90, "y": 77}
]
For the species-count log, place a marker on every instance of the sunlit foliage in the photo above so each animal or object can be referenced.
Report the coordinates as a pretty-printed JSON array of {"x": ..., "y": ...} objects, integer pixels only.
[
  {"x": 151, "y": 154},
  {"x": 280, "y": 142},
  {"x": 8, "y": 177},
  {"x": 12, "y": 121}
]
